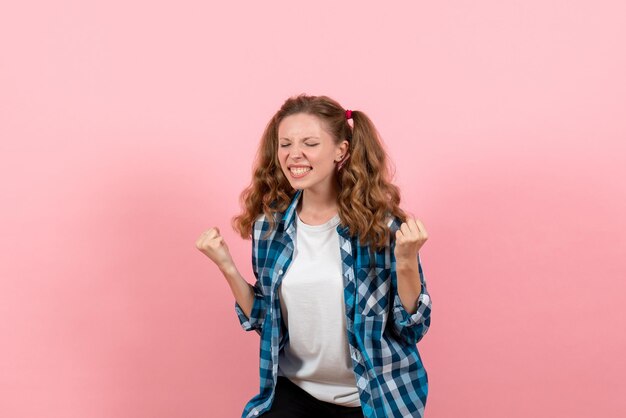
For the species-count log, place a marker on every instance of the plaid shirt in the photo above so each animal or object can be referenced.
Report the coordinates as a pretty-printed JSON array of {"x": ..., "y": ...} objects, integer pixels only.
[{"x": 382, "y": 335}]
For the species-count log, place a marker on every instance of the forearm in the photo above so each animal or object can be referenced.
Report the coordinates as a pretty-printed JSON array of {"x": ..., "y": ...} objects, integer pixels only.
[
  {"x": 409, "y": 285},
  {"x": 241, "y": 289}
]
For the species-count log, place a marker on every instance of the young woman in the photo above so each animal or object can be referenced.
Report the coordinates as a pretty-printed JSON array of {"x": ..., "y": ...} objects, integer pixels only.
[{"x": 340, "y": 300}]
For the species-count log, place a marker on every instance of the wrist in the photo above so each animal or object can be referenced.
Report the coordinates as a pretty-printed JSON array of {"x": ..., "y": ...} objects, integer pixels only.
[
  {"x": 228, "y": 269},
  {"x": 409, "y": 265}
]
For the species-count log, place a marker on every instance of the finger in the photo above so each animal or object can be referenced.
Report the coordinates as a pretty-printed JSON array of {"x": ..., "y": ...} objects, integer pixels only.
[
  {"x": 213, "y": 233},
  {"x": 405, "y": 229},
  {"x": 411, "y": 229},
  {"x": 201, "y": 239},
  {"x": 413, "y": 226},
  {"x": 421, "y": 227}
]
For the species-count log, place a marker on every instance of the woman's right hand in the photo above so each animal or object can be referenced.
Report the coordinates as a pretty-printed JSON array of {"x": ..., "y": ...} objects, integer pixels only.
[{"x": 212, "y": 244}]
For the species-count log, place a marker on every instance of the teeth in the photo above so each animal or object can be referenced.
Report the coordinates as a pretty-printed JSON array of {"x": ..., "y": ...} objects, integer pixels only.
[{"x": 299, "y": 170}]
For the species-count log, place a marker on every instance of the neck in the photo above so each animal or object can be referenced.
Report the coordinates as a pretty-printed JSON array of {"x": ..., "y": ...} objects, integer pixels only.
[{"x": 316, "y": 202}]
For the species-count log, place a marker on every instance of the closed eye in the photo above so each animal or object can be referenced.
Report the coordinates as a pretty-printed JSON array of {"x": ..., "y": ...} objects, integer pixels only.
[{"x": 308, "y": 145}]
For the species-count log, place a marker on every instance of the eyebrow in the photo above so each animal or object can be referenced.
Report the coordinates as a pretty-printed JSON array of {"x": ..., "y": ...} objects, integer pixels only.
[{"x": 303, "y": 139}]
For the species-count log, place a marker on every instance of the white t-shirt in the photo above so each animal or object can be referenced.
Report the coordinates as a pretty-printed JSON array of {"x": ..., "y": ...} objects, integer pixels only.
[{"x": 316, "y": 357}]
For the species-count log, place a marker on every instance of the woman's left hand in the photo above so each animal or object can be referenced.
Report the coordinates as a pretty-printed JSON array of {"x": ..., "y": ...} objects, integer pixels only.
[{"x": 409, "y": 239}]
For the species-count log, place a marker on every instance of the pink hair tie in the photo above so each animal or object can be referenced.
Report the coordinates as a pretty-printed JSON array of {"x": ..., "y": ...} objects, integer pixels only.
[{"x": 348, "y": 114}]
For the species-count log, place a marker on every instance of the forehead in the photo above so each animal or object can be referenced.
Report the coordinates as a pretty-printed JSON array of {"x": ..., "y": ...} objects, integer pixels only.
[{"x": 301, "y": 125}]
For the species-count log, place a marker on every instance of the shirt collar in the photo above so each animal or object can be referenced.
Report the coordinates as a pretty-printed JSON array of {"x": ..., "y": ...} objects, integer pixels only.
[{"x": 290, "y": 213}]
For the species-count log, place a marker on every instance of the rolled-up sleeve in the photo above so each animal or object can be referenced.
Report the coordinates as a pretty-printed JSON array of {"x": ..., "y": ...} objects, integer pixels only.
[
  {"x": 259, "y": 306},
  {"x": 257, "y": 316},
  {"x": 411, "y": 327}
]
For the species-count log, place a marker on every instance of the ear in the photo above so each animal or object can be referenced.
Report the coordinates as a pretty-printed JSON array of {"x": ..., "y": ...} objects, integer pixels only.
[{"x": 342, "y": 149}]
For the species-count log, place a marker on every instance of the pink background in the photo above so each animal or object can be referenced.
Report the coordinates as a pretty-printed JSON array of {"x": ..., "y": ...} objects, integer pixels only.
[{"x": 127, "y": 128}]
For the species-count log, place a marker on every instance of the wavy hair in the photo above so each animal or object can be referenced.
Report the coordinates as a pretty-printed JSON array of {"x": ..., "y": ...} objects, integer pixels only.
[{"x": 366, "y": 195}]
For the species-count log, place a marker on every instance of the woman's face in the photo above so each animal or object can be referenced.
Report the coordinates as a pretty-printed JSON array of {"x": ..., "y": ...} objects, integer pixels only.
[{"x": 307, "y": 153}]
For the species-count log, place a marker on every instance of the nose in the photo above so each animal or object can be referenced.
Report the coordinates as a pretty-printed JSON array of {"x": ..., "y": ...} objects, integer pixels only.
[{"x": 295, "y": 153}]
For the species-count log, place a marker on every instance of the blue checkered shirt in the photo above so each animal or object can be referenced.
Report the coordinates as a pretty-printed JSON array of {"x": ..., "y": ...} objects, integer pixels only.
[{"x": 382, "y": 335}]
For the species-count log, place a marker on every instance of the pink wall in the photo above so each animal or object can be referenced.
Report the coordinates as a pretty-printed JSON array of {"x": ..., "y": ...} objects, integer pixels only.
[{"x": 127, "y": 128}]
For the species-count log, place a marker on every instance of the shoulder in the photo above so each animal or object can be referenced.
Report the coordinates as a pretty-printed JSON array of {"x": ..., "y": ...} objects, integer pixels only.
[
  {"x": 260, "y": 224},
  {"x": 262, "y": 227},
  {"x": 263, "y": 221}
]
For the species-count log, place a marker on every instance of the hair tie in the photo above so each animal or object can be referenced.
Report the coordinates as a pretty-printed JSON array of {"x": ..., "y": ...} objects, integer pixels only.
[{"x": 348, "y": 114}]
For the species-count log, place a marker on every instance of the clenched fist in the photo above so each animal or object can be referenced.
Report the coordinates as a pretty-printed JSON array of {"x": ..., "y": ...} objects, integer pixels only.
[
  {"x": 212, "y": 244},
  {"x": 409, "y": 239}
]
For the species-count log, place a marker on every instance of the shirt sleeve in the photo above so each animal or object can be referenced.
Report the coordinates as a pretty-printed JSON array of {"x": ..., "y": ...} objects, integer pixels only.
[
  {"x": 259, "y": 306},
  {"x": 410, "y": 327}
]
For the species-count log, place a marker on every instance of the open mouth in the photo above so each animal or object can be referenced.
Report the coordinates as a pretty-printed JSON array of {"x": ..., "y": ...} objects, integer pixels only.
[{"x": 298, "y": 172}]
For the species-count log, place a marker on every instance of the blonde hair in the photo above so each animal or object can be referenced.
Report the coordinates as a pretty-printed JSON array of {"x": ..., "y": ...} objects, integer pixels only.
[{"x": 366, "y": 195}]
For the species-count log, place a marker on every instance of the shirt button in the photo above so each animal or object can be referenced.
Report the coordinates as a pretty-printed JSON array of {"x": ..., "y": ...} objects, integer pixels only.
[
  {"x": 255, "y": 413},
  {"x": 279, "y": 272}
]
